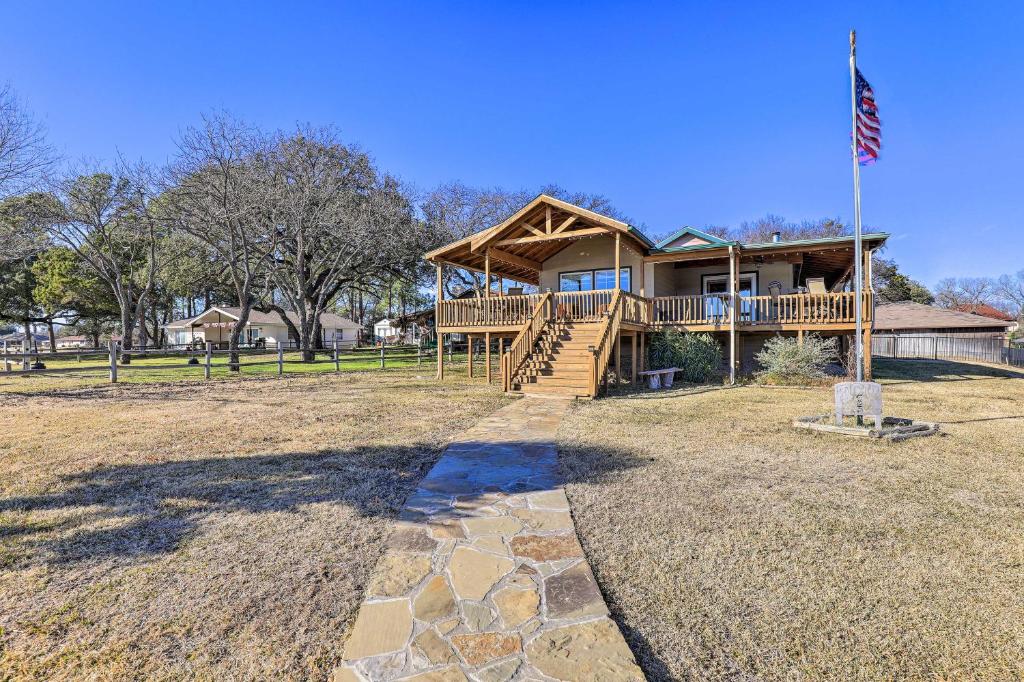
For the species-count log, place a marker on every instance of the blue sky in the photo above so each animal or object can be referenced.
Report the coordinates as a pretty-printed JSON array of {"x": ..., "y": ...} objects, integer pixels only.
[{"x": 702, "y": 113}]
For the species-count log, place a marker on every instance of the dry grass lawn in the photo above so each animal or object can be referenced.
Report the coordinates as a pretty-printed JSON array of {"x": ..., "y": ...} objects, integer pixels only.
[
  {"x": 731, "y": 546},
  {"x": 218, "y": 530}
]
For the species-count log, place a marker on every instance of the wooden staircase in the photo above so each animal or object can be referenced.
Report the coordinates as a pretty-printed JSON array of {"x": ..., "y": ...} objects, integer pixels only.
[{"x": 561, "y": 362}]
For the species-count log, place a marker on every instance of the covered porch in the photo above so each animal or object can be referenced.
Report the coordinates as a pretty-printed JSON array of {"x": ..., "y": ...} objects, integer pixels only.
[{"x": 586, "y": 268}]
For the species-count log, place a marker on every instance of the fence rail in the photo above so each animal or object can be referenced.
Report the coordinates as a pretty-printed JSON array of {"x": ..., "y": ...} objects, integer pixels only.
[
  {"x": 991, "y": 349},
  {"x": 112, "y": 361}
]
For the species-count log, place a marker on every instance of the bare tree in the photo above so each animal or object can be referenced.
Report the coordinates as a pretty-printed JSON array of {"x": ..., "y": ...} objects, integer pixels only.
[
  {"x": 219, "y": 189},
  {"x": 339, "y": 225},
  {"x": 24, "y": 154},
  {"x": 1010, "y": 289},
  {"x": 763, "y": 229},
  {"x": 955, "y": 292},
  {"x": 107, "y": 219},
  {"x": 24, "y": 158}
]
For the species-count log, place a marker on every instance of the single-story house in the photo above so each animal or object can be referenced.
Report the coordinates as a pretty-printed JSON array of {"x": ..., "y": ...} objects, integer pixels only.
[
  {"x": 77, "y": 341},
  {"x": 385, "y": 329},
  {"x": 917, "y": 318},
  {"x": 16, "y": 340},
  {"x": 986, "y": 310},
  {"x": 605, "y": 287},
  {"x": 215, "y": 325}
]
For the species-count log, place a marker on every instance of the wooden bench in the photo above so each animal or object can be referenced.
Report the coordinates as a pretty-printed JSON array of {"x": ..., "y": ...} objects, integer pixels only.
[{"x": 654, "y": 377}]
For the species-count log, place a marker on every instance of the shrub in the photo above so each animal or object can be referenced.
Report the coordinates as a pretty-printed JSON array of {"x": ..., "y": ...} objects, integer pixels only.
[
  {"x": 784, "y": 360},
  {"x": 698, "y": 356}
]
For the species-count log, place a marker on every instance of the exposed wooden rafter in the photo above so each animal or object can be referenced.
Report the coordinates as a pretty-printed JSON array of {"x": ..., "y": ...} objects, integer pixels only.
[
  {"x": 552, "y": 237},
  {"x": 513, "y": 259},
  {"x": 565, "y": 224}
]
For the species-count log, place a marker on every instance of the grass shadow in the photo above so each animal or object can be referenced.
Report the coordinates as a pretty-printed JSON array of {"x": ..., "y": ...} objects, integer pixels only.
[
  {"x": 134, "y": 511},
  {"x": 894, "y": 372}
]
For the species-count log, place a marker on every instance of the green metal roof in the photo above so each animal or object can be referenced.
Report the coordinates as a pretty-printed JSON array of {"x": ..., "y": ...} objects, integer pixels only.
[
  {"x": 767, "y": 245},
  {"x": 696, "y": 233}
]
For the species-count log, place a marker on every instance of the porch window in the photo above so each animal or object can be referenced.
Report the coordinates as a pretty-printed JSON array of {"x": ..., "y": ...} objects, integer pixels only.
[
  {"x": 590, "y": 280},
  {"x": 254, "y": 334},
  {"x": 719, "y": 284}
]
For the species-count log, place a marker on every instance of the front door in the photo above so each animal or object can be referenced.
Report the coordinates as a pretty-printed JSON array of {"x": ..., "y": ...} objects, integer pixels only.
[{"x": 718, "y": 285}]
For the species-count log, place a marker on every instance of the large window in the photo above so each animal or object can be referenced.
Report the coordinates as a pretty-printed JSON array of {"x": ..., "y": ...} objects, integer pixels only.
[{"x": 589, "y": 280}]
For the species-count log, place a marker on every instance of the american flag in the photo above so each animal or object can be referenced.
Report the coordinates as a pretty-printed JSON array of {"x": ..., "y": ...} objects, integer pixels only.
[{"x": 869, "y": 127}]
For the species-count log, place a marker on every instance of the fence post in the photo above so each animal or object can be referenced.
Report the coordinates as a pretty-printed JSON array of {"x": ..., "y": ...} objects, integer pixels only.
[
  {"x": 419, "y": 351},
  {"x": 113, "y": 362},
  {"x": 337, "y": 360},
  {"x": 280, "y": 359},
  {"x": 209, "y": 359},
  {"x": 382, "y": 344}
]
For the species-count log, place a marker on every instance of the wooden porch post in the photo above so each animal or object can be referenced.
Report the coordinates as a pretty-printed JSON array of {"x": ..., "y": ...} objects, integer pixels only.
[
  {"x": 487, "y": 272},
  {"x": 732, "y": 315},
  {"x": 618, "y": 260},
  {"x": 469, "y": 354},
  {"x": 487, "y": 356},
  {"x": 437, "y": 323},
  {"x": 632, "y": 357},
  {"x": 618, "y": 359},
  {"x": 642, "y": 359}
]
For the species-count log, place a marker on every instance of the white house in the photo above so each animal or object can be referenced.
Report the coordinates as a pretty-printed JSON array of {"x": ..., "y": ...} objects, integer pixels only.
[
  {"x": 391, "y": 331},
  {"x": 215, "y": 325},
  {"x": 386, "y": 329}
]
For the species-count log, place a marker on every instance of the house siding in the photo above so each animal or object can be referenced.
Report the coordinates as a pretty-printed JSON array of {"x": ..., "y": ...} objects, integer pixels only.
[{"x": 597, "y": 253}]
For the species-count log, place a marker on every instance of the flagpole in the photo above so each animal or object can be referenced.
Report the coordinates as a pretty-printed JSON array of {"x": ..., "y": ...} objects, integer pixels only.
[{"x": 857, "y": 254}]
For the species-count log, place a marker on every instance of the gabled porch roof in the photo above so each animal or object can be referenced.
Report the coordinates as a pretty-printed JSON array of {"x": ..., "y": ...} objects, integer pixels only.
[{"x": 519, "y": 245}]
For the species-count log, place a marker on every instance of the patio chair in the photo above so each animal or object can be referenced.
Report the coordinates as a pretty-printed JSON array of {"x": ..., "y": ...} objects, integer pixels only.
[
  {"x": 816, "y": 285},
  {"x": 819, "y": 310}
]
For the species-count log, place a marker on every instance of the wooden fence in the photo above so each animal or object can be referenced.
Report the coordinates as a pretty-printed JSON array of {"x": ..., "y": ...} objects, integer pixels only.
[
  {"x": 203, "y": 362},
  {"x": 991, "y": 349}
]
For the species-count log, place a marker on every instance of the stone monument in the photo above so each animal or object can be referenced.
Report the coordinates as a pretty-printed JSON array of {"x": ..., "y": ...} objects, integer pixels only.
[{"x": 859, "y": 399}]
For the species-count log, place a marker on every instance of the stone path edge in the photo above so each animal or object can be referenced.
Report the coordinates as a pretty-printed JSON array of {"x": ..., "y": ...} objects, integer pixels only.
[{"x": 484, "y": 577}]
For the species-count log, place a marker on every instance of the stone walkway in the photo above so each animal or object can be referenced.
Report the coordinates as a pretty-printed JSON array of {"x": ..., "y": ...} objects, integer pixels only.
[{"x": 484, "y": 578}]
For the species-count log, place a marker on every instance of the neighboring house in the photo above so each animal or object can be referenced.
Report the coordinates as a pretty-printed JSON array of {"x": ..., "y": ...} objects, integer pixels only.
[
  {"x": 606, "y": 286},
  {"x": 65, "y": 342},
  {"x": 986, "y": 310},
  {"x": 917, "y": 318},
  {"x": 16, "y": 340},
  {"x": 398, "y": 330},
  {"x": 215, "y": 325},
  {"x": 386, "y": 330}
]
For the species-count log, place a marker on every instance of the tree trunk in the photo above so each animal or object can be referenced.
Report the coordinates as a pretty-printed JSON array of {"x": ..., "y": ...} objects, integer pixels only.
[
  {"x": 143, "y": 330},
  {"x": 127, "y": 331},
  {"x": 52, "y": 334},
  {"x": 96, "y": 339},
  {"x": 236, "y": 334}
]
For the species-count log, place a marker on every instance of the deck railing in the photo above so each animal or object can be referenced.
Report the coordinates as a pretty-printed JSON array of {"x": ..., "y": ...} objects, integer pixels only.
[
  {"x": 496, "y": 311},
  {"x": 605, "y": 341},
  {"x": 831, "y": 308},
  {"x": 583, "y": 306},
  {"x": 695, "y": 309},
  {"x": 522, "y": 345},
  {"x": 636, "y": 309}
]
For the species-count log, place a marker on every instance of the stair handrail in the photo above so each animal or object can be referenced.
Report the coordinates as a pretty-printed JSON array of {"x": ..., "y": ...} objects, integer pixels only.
[
  {"x": 602, "y": 349},
  {"x": 522, "y": 346}
]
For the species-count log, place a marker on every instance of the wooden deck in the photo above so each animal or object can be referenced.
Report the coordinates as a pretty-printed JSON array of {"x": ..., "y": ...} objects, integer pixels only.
[{"x": 711, "y": 313}]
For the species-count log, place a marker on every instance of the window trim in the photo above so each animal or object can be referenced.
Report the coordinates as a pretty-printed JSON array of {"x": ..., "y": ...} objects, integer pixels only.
[
  {"x": 750, "y": 273},
  {"x": 593, "y": 274}
]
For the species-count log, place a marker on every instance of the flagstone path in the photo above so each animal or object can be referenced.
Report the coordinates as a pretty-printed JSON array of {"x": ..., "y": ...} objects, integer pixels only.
[{"x": 484, "y": 578}]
